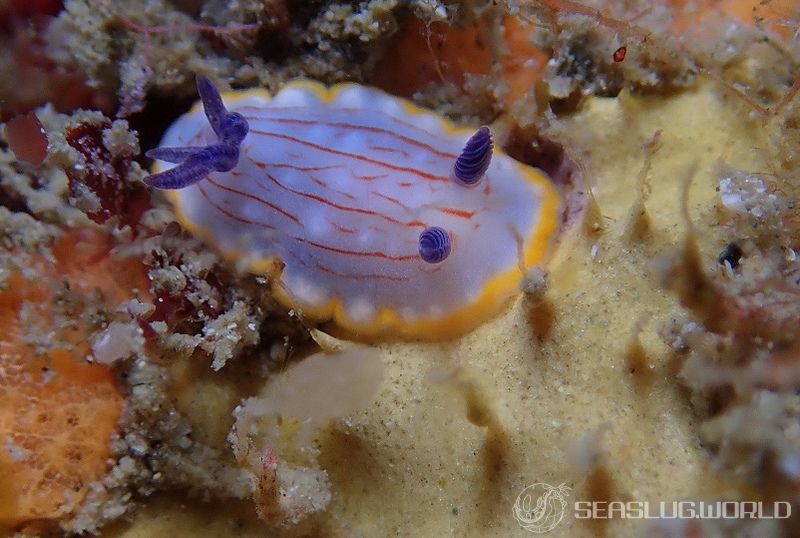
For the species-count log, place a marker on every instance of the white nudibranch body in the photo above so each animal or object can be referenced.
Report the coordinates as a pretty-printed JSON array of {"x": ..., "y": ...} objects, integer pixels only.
[{"x": 339, "y": 183}]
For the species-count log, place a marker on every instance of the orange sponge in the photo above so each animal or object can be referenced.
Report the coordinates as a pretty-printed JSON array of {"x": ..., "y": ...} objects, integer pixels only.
[{"x": 57, "y": 412}]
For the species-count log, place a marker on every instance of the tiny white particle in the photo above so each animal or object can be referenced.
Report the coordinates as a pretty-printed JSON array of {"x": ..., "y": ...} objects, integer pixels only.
[
  {"x": 118, "y": 341},
  {"x": 595, "y": 248}
]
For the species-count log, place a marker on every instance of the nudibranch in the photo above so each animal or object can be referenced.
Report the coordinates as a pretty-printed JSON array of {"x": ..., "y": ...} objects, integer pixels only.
[{"x": 384, "y": 217}]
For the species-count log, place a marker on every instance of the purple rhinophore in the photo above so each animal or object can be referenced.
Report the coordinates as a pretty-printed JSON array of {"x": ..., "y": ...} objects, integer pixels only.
[
  {"x": 434, "y": 244},
  {"x": 475, "y": 158},
  {"x": 196, "y": 163}
]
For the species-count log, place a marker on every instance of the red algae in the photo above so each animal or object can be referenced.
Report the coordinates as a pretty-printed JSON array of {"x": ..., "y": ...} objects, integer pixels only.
[
  {"x": 106, "y": 176},
  {"x": 174, "y": 307},
  {"x": 27, "y": 138}
]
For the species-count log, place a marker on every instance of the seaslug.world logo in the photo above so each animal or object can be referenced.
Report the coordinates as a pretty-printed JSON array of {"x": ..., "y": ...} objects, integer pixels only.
[{"x": 540, "y": 507}]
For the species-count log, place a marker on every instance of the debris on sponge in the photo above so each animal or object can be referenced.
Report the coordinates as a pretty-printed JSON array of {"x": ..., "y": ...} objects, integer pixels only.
[{"x": 273, "y": 433}]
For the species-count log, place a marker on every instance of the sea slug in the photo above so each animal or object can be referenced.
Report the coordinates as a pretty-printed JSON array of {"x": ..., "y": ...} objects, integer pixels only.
[{"x": 387, "y": 218}]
